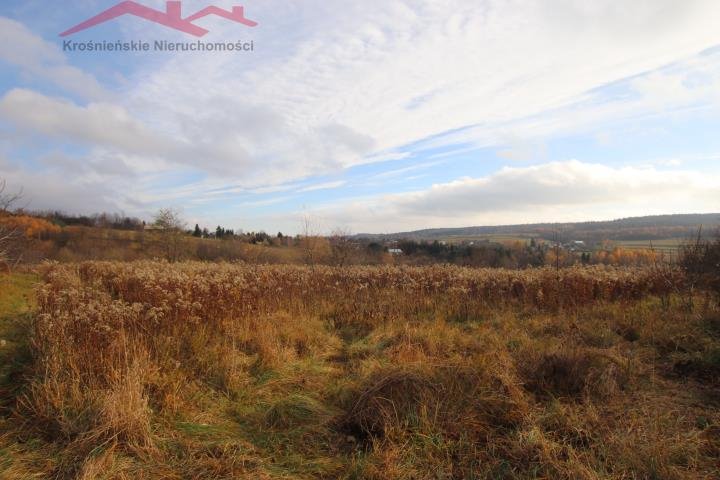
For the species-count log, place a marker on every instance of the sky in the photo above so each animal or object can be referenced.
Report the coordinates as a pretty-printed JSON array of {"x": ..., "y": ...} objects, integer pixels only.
[{"x": 370, "y": 117}]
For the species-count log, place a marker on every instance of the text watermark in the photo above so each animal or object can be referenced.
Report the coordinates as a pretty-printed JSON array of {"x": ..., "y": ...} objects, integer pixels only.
[{"x": 157, "y": 46}]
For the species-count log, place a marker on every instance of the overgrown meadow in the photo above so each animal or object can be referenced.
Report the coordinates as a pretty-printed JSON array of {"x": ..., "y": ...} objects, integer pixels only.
[{"x": 197, "y": 371}]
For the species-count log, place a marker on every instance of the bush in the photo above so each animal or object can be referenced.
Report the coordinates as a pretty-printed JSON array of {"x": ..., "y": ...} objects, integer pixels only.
[{"x": 701, "y": 262}]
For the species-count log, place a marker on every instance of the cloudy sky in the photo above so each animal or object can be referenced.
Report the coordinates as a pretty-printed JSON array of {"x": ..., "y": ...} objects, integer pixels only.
[{"x": 372, "y": 116}]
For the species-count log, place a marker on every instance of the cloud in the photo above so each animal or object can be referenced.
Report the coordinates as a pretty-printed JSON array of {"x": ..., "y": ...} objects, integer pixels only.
[
  {"x": 98, "y": 165},
  {"x": 564, "y": 184},
  {"x": 98, "y": 124},
  {"x": 323, "y": 186},
  {"x": 520, "y": 150},
  {"x": 56, "y": 190},
  {"x": 336, "y": 85},
  {"x": 554, "y": 191},
  {"x": 113, "y": 132},
  {"x": 36, "y": 57}
]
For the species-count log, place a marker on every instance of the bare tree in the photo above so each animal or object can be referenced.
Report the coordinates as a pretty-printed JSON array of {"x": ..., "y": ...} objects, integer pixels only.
[
  {"x": 169, "y": 219},
  {"x": 313, "y": 245},
  {"x": 341, "y": 247},
  {"x": 700, "y": 260},
  {"x": 7, "y": 200},
  {"x": 171, "y": 227},
  {"x": 8, "y": 236}
]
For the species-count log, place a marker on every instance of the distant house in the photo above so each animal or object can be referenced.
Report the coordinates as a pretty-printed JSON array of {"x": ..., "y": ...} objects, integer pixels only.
[
  {"x": 395, "y": 251},
  {"x": 574, "y": 246}
]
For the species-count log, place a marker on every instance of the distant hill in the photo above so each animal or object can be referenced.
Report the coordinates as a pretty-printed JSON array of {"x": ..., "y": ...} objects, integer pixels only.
[{"x": 626, "y": 229}]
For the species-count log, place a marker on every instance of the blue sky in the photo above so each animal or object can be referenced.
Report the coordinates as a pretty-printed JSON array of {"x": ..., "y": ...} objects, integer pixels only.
[{"x": 369, "y": 116}]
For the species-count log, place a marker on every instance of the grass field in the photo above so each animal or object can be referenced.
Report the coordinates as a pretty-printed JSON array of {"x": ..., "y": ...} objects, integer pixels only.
[
  {"x": 17, "y": 299},
  {"x": 196, "y": 371},
  {"x": 664, "y": 244},
  {"x": 503, "y": 239}
]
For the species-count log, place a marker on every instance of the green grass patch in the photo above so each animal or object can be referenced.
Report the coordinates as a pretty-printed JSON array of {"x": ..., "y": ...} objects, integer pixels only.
[{"x": 17, "y": 302}]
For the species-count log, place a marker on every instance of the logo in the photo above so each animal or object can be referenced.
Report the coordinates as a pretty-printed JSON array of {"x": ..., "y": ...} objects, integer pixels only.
[{"x": 171, "y": 17}]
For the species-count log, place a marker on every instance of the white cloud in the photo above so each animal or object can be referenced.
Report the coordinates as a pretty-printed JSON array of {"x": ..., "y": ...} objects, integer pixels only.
[
  {"x": 556, "y": 191},
  {"x": 36, "y": 57},
  {"x": 323, "y": 186},
  {"x": 343, "y": 83},
  {"x": 352, "y": 79},
  {"x": 58, "y": 190},
  {"x": 522, "y": 150},
  {"x": 98, "y": 124}
]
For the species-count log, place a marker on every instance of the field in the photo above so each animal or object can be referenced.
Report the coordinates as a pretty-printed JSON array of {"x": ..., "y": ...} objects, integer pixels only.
[
  {"x": 502, "y": 239},
  {"x": 220, "y": 371}
]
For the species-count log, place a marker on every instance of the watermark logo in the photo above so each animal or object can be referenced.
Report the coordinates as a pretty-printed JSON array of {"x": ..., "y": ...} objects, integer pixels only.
[{"x": 171, "y": 17}]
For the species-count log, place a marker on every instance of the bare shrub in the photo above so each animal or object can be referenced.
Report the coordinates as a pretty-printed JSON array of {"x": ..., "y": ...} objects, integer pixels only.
[
  {"x": 170, "y": 226},
  {"x": 700, "y": 259},
  {"x": 315, "y": 247},
  {"x": 342, "y": 247},
  {"x": 10, "y": 236}
]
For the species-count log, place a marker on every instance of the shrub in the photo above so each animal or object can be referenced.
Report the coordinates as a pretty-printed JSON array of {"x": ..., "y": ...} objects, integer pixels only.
[{"x": 701, "y": 262}]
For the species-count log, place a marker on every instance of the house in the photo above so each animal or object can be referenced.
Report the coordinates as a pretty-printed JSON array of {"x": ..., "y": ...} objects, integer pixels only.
[{"x": 395, "y": 251}]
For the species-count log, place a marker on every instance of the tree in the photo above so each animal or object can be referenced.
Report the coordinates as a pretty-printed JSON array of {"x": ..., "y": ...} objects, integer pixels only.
[
  {"x": 700, "y": 259},
  {"x": 313, "y": 245},
  {"x": 9, "y": 236},
  {"x": 7, "y": 200},
  {"x": 341, "y": 247},
  {"x": 169, "y": 219},
  {"x": 197, "y": 233},
  {"x": 172, "y": 233},
  {"x": 6, "y": 238}
]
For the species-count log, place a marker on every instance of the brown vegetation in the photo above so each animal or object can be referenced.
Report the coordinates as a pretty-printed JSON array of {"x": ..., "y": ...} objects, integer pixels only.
[{"x": 190, "y": 370}]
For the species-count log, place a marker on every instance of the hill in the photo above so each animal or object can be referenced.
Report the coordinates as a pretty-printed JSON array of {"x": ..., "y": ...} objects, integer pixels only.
[{"x": 647, "y": 228}]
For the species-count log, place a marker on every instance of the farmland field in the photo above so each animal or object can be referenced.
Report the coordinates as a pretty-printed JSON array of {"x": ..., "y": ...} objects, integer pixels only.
[
  {"x": 664, "y": 244},
  {"x": 221, "y": 371}
]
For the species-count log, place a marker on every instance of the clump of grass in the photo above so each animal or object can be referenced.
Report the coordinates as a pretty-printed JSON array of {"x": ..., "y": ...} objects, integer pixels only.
[
  {"x": 294, "y": 411},
  {"x": 448, "y": 401},
  {"x": 703, "y": 366},
  {"x": 389, "y": 398},
  {"x": 573, "y": 373},
  {"x": 711, "y": 324}
]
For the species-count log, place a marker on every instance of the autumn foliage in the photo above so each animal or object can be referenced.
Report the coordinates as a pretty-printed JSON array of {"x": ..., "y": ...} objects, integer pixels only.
[{"x": 30, "y": 227}]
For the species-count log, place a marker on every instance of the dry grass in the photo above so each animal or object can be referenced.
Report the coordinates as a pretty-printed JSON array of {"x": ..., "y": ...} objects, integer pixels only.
[{"x": 148, "y": 370}]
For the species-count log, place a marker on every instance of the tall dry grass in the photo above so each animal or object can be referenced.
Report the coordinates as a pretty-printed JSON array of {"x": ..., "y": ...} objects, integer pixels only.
[{"x": 191, "y": 370}]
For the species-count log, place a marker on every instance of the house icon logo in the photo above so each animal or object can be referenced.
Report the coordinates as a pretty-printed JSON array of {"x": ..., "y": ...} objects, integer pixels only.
[{"x": 171, "y": 17}]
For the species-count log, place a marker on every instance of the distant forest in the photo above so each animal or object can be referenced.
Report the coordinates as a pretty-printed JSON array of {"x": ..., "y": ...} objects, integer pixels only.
[{"x": 638, "y": 228}]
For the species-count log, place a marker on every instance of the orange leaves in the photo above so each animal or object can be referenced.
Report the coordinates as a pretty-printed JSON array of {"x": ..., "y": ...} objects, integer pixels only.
[{"x": 30, "y": 227}]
